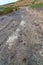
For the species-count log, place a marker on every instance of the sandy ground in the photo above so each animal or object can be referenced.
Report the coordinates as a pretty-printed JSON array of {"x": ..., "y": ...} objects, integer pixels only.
[{"x": 21, "y": 37}]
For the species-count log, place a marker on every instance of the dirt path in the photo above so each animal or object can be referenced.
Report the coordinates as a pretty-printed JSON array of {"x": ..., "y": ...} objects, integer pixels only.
[{"x": 22, "y": 36}]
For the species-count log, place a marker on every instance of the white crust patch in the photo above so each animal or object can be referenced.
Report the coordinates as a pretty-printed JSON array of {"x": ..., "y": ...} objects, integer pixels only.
[{"x": 22, "y": 23}]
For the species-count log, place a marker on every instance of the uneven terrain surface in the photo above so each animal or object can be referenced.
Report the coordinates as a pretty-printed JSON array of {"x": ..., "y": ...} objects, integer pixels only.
[{"x": 21, "y": 37}]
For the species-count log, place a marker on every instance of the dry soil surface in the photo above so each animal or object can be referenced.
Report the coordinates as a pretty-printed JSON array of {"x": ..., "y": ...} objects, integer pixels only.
[{"x": 21, "y": 37}]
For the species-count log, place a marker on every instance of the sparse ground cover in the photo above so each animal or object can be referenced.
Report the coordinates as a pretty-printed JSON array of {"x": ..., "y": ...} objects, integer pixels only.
[
  {"x": 14, "y": 6},
  {"x": 40, "y": 5},
  {"x": 5, "y": 10},
  {"x": 20, "y": 3}
]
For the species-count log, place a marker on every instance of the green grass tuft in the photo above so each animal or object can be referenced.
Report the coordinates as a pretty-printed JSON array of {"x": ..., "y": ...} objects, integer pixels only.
[
  {"x": 5, "y": 10},
  {"x": 36, "y": 5}
]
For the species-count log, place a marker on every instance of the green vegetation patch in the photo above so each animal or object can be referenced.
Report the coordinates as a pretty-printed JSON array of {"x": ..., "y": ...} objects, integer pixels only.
[
  {"x": 5, "y": 10},
  {"x": 36, "y": 5}
]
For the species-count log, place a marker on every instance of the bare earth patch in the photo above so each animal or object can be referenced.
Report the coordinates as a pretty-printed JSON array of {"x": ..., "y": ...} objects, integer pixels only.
[{"x": 21, "y": 37}]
